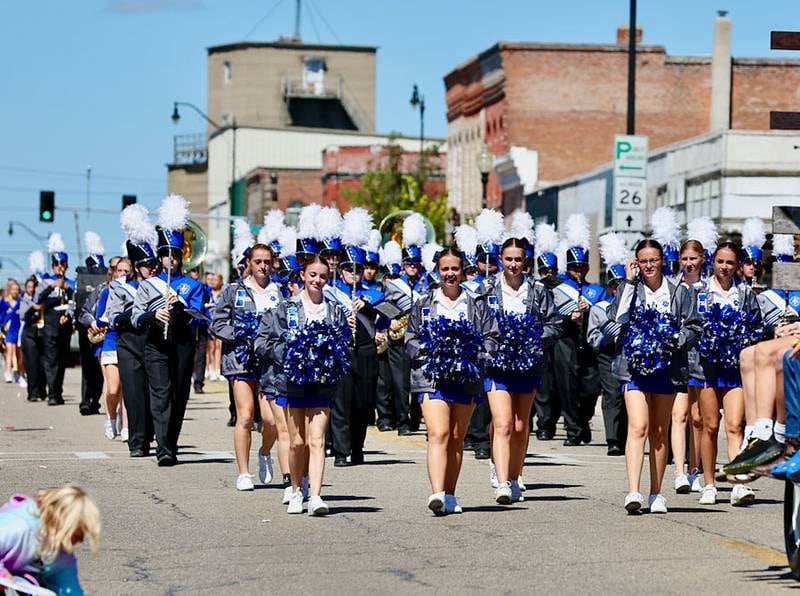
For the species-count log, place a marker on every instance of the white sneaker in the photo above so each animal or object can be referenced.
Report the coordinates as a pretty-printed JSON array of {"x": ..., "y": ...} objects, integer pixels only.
[
  {"x": 502, "y": 494},
  {"x": 521, "y": 484},
  {"x": 9, "y": 376},
  {"x": 493, "y": 475},
  {"x": 516, "y": 492},
  {"x": 295, "y": 502},
  {"x": 110, "y": 429},
  {"x": 244, "y": 482},
  {"x": 451, "y": 504},
  {"x": 123, "y": 435},
  {"x": 22, "y": 382},
  {"x": 304, "y": 487},
  {"x": 436, "y": 503},
  {"x": 287, "y": 494},
  {"x": 742, "y": 496},
  {"x": 709, "y": 495},
  {"x": 696, "y": 482},
  {"x": 316, "y": 506},
  {"x": 634, "y": 502},
  {"x": 682, "y": 486},
  {"x": 658, "y": 504},
  {"x": 264, "y": 467}
]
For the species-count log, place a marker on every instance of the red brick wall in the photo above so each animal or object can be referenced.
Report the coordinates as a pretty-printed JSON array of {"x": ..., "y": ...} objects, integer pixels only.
[
  {"x": 759, "y": 88},
  {"x": 294, "y": 185}
]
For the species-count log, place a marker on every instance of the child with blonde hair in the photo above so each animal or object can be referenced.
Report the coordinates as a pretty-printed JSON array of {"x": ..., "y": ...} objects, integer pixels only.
[{"x": 38, "y": 537}]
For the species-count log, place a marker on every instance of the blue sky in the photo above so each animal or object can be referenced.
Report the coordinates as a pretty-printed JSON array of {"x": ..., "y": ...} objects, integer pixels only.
[{"x": 91, "y": 82}]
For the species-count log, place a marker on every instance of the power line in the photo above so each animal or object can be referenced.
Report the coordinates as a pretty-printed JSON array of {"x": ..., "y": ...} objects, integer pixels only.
[
  {"x": 262, "y": 19},
  {"x": 324, "y": 21},
  {"x": 74, "y": 191},
  {"x": 314, "y": 25},
  {"x": 80, "y": 175}
]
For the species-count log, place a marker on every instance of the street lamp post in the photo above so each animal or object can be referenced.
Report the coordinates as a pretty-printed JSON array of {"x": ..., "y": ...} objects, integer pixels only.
[
  {"x": 484, "y": 167},
  {"x": 419, "y": 100}
]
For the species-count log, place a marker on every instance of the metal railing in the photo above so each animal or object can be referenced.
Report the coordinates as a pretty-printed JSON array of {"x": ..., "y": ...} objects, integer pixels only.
[
  {"x": 295, "y": 88},
  {"x": 189, "y": 149}
]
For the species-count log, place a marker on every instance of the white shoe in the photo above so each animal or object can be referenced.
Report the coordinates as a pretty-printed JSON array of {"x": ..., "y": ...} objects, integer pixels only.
[
  {"x": 516, "y": 492},
  {"x": 304, "y": 487},
  {"x": 634, "y": 502},
  {"x": 22, "y": 382},
  {"x": 682, "y": 486},
  {"x": 110, "y": 429},
  {"x": 658, "y": 504},
  {"x": 295, "y": 502},
  {"x": 696, "y": 481},
  {"x": 451, "y": 504},
  {"x": 264, "y": 467},
  {"x": 742, "y": 496},
  {"x": 709, "y": 495},
  {"x": 9, "y": 376},
  {"x": 316, "y": 506},
  {"x": 493, "y": 475},
  {"x": 244, "y": 482},
  {"x": 521, "y": 484},
  {"x": 502, "y": 494},
  {"x": 123, "y": 435},
  {"x": 287, "y": 494},
  {"x": 436, "y": 503}
]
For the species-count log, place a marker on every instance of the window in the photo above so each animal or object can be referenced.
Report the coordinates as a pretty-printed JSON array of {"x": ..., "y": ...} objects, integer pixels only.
[
  {"x": 314, "y": 69},
  {"x": 228, "y": 74},
  {"x": 293, "y": 212}
]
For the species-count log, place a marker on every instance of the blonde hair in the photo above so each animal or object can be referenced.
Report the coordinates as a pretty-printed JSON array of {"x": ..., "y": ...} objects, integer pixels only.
[
  {"x": 693, "y": 245},
  {"x": 68, "y": 516}
]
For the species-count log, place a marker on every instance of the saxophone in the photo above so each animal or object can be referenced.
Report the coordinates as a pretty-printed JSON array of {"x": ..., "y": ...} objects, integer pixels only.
[{"x": 399, "y": 333}]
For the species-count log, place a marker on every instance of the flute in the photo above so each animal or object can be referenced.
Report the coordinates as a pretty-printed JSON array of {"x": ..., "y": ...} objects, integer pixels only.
[{"x": 166, "y": 293}]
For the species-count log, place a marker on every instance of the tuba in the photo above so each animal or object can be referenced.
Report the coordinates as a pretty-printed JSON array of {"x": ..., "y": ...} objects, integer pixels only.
[{"x": 195, "y": 245}]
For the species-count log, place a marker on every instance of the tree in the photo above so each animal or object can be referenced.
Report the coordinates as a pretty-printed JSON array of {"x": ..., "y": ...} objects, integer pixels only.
[{"x": 386, "y": 188}]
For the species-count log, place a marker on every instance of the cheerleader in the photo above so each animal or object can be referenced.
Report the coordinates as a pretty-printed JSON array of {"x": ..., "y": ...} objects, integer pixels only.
[
  {"x": 649, "y": 394},
  {"x": 308, "y": 403},
  {"x": 447, "y": 406},
  {"x": 719, "y": 385},
  {"x": 511, "y": 392},
  {"x": 10, "y": 322}
]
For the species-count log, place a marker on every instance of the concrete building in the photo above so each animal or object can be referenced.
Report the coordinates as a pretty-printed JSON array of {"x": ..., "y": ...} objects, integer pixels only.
[
  {"x": 550, "y": 111},
  {"x": 727, "y": 175}
]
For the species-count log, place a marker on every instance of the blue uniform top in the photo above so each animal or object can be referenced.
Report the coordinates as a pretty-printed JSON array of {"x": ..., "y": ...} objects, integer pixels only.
[
  {"x": 101, "y": 316},
  {"x": 592, "y": 293},
  {"x": 9, "y": 319}
]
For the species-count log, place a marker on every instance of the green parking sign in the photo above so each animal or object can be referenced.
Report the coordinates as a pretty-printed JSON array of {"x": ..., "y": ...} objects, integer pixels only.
[{"x": 630, "y": 156}]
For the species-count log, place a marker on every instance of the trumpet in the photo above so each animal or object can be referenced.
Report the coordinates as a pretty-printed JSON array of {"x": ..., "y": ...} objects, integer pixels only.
[{"x": 96, "y": 337}]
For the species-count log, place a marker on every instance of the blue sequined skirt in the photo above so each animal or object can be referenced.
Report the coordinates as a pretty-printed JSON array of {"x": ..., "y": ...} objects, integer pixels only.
[
  {"x": 452, "y": 394},
  {"x": 511, "y": 382}
]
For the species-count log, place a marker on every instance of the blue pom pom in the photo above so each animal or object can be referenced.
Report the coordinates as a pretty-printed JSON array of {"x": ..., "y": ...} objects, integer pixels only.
[
  {"x": 451, "y": 349},
  {"x": 520, "y": 348},
  {"x": 317, "y": 353},
  {"x": 245, "y": 326},
  {"x": 726, "y": 332},
  {"x": 647, "y": 340}
]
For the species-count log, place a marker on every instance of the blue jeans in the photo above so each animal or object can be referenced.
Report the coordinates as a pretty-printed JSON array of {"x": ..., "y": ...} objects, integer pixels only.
[{"x": 791, "y": 392}]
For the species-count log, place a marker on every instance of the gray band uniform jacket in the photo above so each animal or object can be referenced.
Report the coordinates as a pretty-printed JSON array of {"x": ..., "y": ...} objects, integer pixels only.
[
  {"x": 601, "y": 333},
  {"x": 273, "y": 334},
  {"x": 540, "y": 304},
  {"x": 89, "y": 307},
  {"x": 478, "y": 313},
  {"x": 119, "y": 309},
  {"x": 699, "y": 369},
  {"x": 237, "y": 297},
  {"x": 683, "y": 306}
]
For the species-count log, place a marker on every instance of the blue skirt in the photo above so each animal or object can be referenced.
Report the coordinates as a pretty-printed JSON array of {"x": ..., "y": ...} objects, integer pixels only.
[
  {"x": 511, "y": 382},
  {"x": 243, "y": 377},
  {"x": 452, "y": 394},
  {"x": 658, "y": 382},
  {"x": 724, "y": 378}
]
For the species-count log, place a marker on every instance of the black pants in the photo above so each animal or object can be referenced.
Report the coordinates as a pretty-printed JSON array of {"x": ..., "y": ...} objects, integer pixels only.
[
  {"x": 32, "y": 351},
  {"x": 135, "y": 391},
  {"x": 478, "y": 429},
  {"x": 615, "y": 416},
  {"x": 55, "y": 339},
  {"x": 355, "y": 402},
  {"x": 91, "y": 371},
  {"x": 169, "y": 375},
  {"x": 407, "y": 410},
  {"x": 577, "y": 382},
  {"x": 200, "y": 356},
  {"x": 546, "y": 403},
  {"x": 383, "y": 399}
]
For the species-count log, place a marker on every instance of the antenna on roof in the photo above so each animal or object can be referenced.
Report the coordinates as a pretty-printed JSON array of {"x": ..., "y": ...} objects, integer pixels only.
[{"x": 297, "y": 20}]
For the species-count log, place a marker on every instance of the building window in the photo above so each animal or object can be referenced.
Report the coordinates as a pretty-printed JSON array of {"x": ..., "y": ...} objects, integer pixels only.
[
  {"x": 228, "y": 73},
  {"x": 314, "y": 69}
]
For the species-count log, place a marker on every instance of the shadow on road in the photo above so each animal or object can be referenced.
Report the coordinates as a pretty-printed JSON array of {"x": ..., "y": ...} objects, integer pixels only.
[
  {"x": 778, "y": 575},
  {"x": 337, "y": 510}
]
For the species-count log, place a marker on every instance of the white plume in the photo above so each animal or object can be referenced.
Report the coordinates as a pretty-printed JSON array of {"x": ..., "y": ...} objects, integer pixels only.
[
  {"x": 173, "y": 213},
  {"x": 273, "y": 224},
  {"x": 242, "y": 239},
  {"x": 522, "y": 226},
  {"x": 466, "y": 238},
  {"x": 561, "y": 254},
  {"x": 666, "y": 229},
  {"x": 373, "y": 243},
  {"x": 55, "y": 243},
  {"x": 36, "y": 262},
  {"x": 136, "y": 226},
  {"x": 414, "y": 232},
  {"x": 391, "y": 253},
  {"x": 287, "y": 238},
  {"x": 489, "y": 226},
  {"x": 577, "y": 231},
  {"x": 613, "y": 250},
  {"x": 546, "y": 238},
  {"x": 356, "y": 226},
  {"x": 704, "y": 231},
  {"x": 754, "y": 232},
  {"x": 307, "y": 224},
  {"x": 428, "y": 252},
  {"x": 783, "y": 244},
  {"x": 94, "y": 245},
  {"x": 328, "y": 224}
]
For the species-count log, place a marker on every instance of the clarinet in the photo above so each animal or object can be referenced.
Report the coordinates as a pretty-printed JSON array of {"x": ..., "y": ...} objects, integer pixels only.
[{"x": 584, "y": 322}]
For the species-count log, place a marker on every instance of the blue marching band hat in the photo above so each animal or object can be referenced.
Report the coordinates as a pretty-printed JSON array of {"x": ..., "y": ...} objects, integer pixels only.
[
  {"x": 353, "y": 256},
  {"x": 754, "y": 236},
  {"x": 615, "y": 273},
  {"x": 373, "y": 258},
  {"x": 57, "y": 250},
  {"x": 169, "y": 240},
  {"x": 306, "y": 247},
  {"x": 329, "y": 245},
  {"x": 577, "y": 255},
  {"x": 487, "y": 249},
  {"x": 288, "y": 265},
  {"x": 470, "y": 261},
  {"x": 412, "y": 253},
  {"x": 547, "y": 260}
]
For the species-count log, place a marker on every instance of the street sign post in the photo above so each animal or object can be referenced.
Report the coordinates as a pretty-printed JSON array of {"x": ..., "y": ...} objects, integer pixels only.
[
  {"x": 630, "y": 183},
  {"x": 630, "y": 156},
  {"x": 630, "y": 194}
]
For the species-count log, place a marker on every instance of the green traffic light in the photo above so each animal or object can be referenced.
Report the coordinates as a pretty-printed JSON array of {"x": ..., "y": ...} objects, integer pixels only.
[{"x": 47, "y": 215}]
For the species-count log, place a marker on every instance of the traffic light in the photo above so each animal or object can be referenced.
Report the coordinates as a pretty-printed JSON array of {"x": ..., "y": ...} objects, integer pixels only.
[
  {"x": 47, "y": 206},
  {"x": 128, "y": 200}
]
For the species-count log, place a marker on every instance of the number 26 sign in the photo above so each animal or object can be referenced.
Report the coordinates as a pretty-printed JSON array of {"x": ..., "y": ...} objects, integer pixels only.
[{"x": 630, "y": 194}]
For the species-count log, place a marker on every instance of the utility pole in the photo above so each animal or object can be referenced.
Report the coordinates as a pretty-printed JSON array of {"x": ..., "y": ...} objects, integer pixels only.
[
  {"x": 88, "y": 190},
  {"x": 297, "y": 20},
  {"x": 632, "y": 70}
]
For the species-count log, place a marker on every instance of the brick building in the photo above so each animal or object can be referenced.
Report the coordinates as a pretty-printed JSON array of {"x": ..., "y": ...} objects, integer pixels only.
[{"x": 550, "y": 111}]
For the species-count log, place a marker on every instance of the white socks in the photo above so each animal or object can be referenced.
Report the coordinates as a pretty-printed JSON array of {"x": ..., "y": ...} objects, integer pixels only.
[
  {"x": 780, "y": 432},
  {"x": 762, "y": 429}
]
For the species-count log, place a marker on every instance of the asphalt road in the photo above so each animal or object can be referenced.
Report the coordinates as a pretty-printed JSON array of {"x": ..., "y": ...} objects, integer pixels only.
[{"x": 186, "y": 530}]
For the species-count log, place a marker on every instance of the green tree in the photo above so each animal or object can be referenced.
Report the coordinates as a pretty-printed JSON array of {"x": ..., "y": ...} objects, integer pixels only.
[{"x": 385, "y": 188}]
